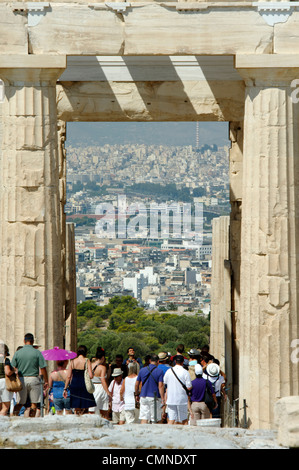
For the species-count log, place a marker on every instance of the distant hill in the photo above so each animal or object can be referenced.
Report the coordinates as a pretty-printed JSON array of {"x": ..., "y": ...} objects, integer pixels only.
[{"x": 149, "y": 133}]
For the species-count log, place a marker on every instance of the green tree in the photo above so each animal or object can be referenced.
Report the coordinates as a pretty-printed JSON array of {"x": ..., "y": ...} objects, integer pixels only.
[
  {"x": 85, "y": 306},
  {"x": 123, "y": 323},
  {"x": 165, "y": 333},
  {"x": 115, "y": 321},
  {"x": 172, "y": 306}
]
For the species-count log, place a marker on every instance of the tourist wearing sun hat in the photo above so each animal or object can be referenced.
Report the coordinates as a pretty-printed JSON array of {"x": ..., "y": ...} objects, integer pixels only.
[
  {"x": 197, "y": 407},
  {"x": 194, "y": 355},
  {"x": 117, "y": 404},
  {"x": 163, "y": 361},
  {"x": 214, "y": 375}
]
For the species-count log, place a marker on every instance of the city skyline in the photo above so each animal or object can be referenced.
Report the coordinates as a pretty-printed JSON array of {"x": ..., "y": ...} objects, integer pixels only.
[
  {"x": 149, "y": 133},
  {"x": 158, "y": 269}
]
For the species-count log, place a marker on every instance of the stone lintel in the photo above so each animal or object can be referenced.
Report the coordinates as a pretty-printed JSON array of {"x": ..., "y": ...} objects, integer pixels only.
[
  {"x": 150, "y": 68},
  {"x": 150, "y": 101}
]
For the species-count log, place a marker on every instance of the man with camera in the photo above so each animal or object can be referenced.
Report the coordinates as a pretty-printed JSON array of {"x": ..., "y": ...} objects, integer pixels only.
[{"x": 132, "y": 358}]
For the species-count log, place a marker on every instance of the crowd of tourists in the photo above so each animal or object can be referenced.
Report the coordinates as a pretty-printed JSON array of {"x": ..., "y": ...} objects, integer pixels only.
[{"x": 162, "y": 388}]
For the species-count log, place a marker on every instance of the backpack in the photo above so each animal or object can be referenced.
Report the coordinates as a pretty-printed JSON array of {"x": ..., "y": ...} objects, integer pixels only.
[{"x": 209, "y": 400}]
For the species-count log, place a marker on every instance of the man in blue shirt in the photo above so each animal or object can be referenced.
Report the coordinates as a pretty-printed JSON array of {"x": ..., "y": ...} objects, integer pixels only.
[
  {"x": 163, "y": 362},
  {"x": 152, "y": 391},
  {"x": 132, "y": 358}
]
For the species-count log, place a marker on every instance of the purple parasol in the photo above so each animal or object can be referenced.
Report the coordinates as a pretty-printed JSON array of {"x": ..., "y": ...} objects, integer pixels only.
[{"x": 57, "y": 354}]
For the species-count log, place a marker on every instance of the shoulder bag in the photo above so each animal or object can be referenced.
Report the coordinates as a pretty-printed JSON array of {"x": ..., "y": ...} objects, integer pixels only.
[
  {"x": 13, "y": 383},
  {"x": 88, "y": 383},
  {"x": 182, "y": 384},
  {"x": 150, "y": 373},
  {"x": 144, "y": 382}
]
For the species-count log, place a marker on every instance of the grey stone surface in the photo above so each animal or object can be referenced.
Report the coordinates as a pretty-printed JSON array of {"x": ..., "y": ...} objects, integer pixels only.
[{"x": 93, "y": 432}]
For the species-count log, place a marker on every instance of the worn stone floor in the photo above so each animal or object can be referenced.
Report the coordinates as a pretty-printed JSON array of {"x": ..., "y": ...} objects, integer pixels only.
[{"x": 93, "y": 432}]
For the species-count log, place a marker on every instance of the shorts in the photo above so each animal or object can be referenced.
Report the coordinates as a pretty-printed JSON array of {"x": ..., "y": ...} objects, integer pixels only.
[
  {"x": 5, "y": 395},
  {"x": 31, "y": 390},
  {"x": 118, "y": 416},
  {"x": 178, "y": 413},
  {"x": 101, "y": 399},
  {"x": 131, "y": 416},
  {"x": 61, "y": 404},
  {"x": 147, "y": 409}
]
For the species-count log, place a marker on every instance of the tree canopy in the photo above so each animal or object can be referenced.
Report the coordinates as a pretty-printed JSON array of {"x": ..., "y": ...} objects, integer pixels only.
[{"x": 123, "y": 323}]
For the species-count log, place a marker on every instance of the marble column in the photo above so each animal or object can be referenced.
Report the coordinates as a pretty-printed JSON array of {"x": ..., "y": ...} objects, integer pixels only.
[
  {"x": 61, "y": 136},
  {"x": 30, "y": 235},
  {"x": 221, "y": 334},
  {"x": 235, "y": 178},
  {"x": 70, "y": 301},
  {"x": 269, "y": 277}
]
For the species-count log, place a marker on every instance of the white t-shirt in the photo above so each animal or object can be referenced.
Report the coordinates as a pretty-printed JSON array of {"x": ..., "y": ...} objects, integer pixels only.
[
  {"x": 176, "y": 394},
  {"x": 129, "y": 397}
]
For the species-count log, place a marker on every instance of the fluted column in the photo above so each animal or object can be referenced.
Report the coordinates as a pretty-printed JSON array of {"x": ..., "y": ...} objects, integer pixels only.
[
  {"x": 221, "y": 333},
  {"x": 61, "y": 135},
  {"x": 70, "y": 301},
  {"x": 236, "y": 179},
  {"x": 269, "y": 281},
  {"x": 30, "y": 234}
]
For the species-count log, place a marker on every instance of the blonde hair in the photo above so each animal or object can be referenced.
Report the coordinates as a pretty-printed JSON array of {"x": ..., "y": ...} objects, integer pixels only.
[{"x": 133, "y": 368}]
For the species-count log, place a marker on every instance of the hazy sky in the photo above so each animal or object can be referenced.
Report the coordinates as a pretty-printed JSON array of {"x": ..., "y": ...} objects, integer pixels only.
[{"x": 160, "y": 133}]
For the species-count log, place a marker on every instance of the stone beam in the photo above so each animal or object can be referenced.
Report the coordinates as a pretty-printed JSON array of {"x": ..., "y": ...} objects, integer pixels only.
[
  {"x": 174, "y": 88},
  {"x": 149, "y": 28},
  {"x": 150, "y": 68},
  {"x": 13, "y": 31},
  {"x": 135, "y": 28},
  {"x": 149, "y": 101}
]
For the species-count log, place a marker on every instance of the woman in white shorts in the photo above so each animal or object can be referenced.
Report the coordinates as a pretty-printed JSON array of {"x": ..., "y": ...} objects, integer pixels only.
[
  {"x": 101, "y": 393},
  {"x": 127, "y": 393},
  {"x": 5, "y": 369}
]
